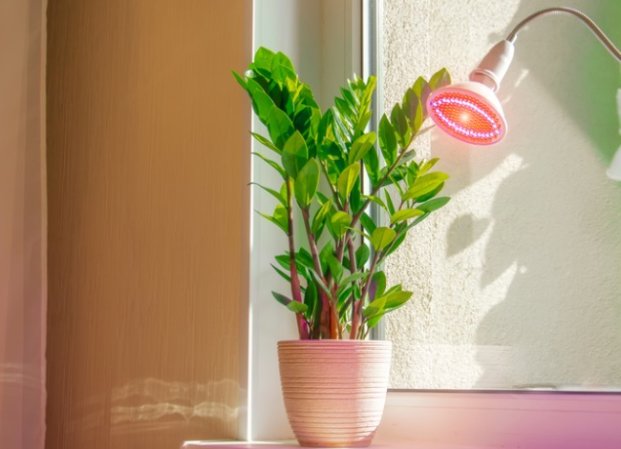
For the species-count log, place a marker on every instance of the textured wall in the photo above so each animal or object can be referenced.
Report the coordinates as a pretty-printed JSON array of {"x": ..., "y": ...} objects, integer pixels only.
[
  {"x": 517, "y": 281},
  {"x": 148, "y": 221}
]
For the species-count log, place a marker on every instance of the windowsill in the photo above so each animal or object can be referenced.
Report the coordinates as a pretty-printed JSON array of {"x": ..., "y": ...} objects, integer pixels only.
[
  {"x": 291, "y": 445},
  {"x": 479, "y": 420}
]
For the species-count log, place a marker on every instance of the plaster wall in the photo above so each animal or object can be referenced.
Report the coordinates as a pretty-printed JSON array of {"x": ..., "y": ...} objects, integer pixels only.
[{"x": 517, "y": 280}]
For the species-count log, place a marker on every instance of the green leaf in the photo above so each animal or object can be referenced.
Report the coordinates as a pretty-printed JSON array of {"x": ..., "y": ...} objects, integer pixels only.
[
  {"x": 347, "y": 181},
  {"x": 310, "y": 297},
  {"x": 362, "y": 255},
  {"x": 397, "y": 298},
  {"x": 279, "y": 126},
  {"x": 320, "y": 218},
  {"x": 387, "y": 140},
  {"x": 360, "y": 147},
  {"x": 265, "y": 142},
  {"x": 262, "y": 104},
  {"x": 281, "y": 299},
  {"x": 297, "y": 307},
  {"x": 304, "y": 258},
  {"x": 381, "y": 238},
  {"x": 272, "y": 164},
  {"x": 425, "y": 184},
  {"x": 336, "y": 268},
  {"x": 283, "y": 274},
  {"x": 376, "y": 200},
  {"x": 400, "y": 124},
  {"x": 319, "y": 282},
  {"x": 262, "y": 61},
  {"x": 391, "y": 300},
  {"x": 428, "y": 165},
  {"x": 279, "y": 218},
  {"x": 378, "y": 284},
  {"x": 367, "y": 223},
  {"x": 413, "y": 110},
  {"x": 440, "y": 79},
  {"x": 371, "y": 164},
  {"x": 349, "y": 279},
  {"x": 282, "y": 68},
  {"x": 295, "y": 154},
  {"x": 272, "y": 192},
  {"x": 306, "y": 183},
  {"x": 405, "y": 214},
  {"x": 339, "y": 222},
  {"x": 389, "y": 203},
  {"x": 434, "y": 204}
]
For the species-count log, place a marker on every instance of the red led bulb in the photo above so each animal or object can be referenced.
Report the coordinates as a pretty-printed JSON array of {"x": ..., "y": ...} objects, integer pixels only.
[{"x": 469, "y": 112}]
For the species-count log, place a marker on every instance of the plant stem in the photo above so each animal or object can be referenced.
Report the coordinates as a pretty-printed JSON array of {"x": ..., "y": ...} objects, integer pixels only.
[
  {"x": 355, "y": 305},
  {"x": 325, "y": 303},
  {"x": 356, "y": 323},
  {"x": 296, "y": 290}
]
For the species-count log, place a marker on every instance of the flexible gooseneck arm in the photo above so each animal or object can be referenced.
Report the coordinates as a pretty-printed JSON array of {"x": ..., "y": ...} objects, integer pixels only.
[{"x": 597, "y": 31}]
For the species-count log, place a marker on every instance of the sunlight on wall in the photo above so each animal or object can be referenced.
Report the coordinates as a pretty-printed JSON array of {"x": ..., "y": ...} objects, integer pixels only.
[{"x": 517, "y": 280}]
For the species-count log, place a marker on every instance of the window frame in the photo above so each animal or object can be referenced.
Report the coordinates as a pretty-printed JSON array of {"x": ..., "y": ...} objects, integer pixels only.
[{"x": 494, "y": 418}]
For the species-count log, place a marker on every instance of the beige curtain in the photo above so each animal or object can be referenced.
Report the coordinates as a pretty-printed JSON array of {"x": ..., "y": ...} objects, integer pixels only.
[{"x": 22, "y": 224}]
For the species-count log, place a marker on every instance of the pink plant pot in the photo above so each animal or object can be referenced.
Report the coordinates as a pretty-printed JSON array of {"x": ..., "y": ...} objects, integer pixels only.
[{"x": 334, "y": 390}]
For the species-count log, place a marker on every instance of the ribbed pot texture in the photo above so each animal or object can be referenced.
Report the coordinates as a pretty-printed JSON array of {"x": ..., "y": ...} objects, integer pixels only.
[{"x": 334, "y": 390}]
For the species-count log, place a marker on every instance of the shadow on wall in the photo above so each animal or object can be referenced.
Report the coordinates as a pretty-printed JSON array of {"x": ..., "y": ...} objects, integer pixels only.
[{"x": 555, "y": 220}]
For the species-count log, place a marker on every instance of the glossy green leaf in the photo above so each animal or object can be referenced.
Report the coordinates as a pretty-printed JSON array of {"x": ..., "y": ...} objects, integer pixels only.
[
  {"x": 320, "y": 218},
  {"x": 381, "y": 238},
  {"x": 389, "y": 203},
  {"x": 297, "y": 307},
  {"x": 282, "y": 68},
  {"x": 339, "y": 222},
  {"x": 281, "y": 298},
  {"x": 400, "y": 123},
  {"x": 262, "y": 61},
  {"x": 362, "y": 255},
  {"x": 371, "y": 165},
  {"x": 282, "y": 273},
  {"x": 272, "y": 192},
  {"x": 428, "y": 165},
  {"x": 376, "y": 200},
  {"x": 434, "y": 204},
  {"x": 262, "y": 104},
  {"x": 360, "y": 147},
  {"x": 347, "y": 181},
  {"x": 272, "y": 164},
  {"x": 279, "y": 126},
  {"x": 387, "y": 140},
  {"x": 405, "y": 214},
  {"x": 440, "y": 79},
  {"x": 295, "y": 154},
  {"x": 265, "y": 142},
  {"x": 367, "y": 223},
  {"x": 307, "y": 183},
  {"x": 378, "y": 284},
  {"x": 413, "y": 110},
  {"x": 311, "y": 297},
  {"x": 425, "y": 184}
]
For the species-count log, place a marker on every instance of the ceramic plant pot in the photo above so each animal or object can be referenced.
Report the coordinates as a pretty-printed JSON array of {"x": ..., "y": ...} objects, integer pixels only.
[{"x": 334, "y": 390}]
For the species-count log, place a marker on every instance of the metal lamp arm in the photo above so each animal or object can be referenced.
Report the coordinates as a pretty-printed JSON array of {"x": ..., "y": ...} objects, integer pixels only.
[{"x": 595, "y": 29}]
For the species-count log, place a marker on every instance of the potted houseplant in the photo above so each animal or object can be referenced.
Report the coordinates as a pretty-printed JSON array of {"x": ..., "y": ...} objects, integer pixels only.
[{"x": 331, "y": 169}]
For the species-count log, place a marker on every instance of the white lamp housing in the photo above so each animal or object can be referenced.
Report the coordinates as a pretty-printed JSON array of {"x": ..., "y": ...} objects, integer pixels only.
[{"x": 492, "y": 68}]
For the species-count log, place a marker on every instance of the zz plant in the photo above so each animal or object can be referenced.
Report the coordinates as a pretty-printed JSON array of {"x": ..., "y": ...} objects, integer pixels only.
[{"x": 332, "y": 169}]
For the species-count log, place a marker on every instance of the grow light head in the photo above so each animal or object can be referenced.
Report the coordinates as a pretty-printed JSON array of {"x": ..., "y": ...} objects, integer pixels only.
[{"x": 469, "y": 112}]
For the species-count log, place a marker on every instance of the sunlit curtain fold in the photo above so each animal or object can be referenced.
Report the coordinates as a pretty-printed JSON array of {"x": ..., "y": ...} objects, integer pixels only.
[{"x": 22, "y": 224}]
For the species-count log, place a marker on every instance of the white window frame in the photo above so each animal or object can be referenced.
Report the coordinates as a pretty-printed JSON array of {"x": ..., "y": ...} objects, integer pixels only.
[{"x": 507, "y": 419}]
